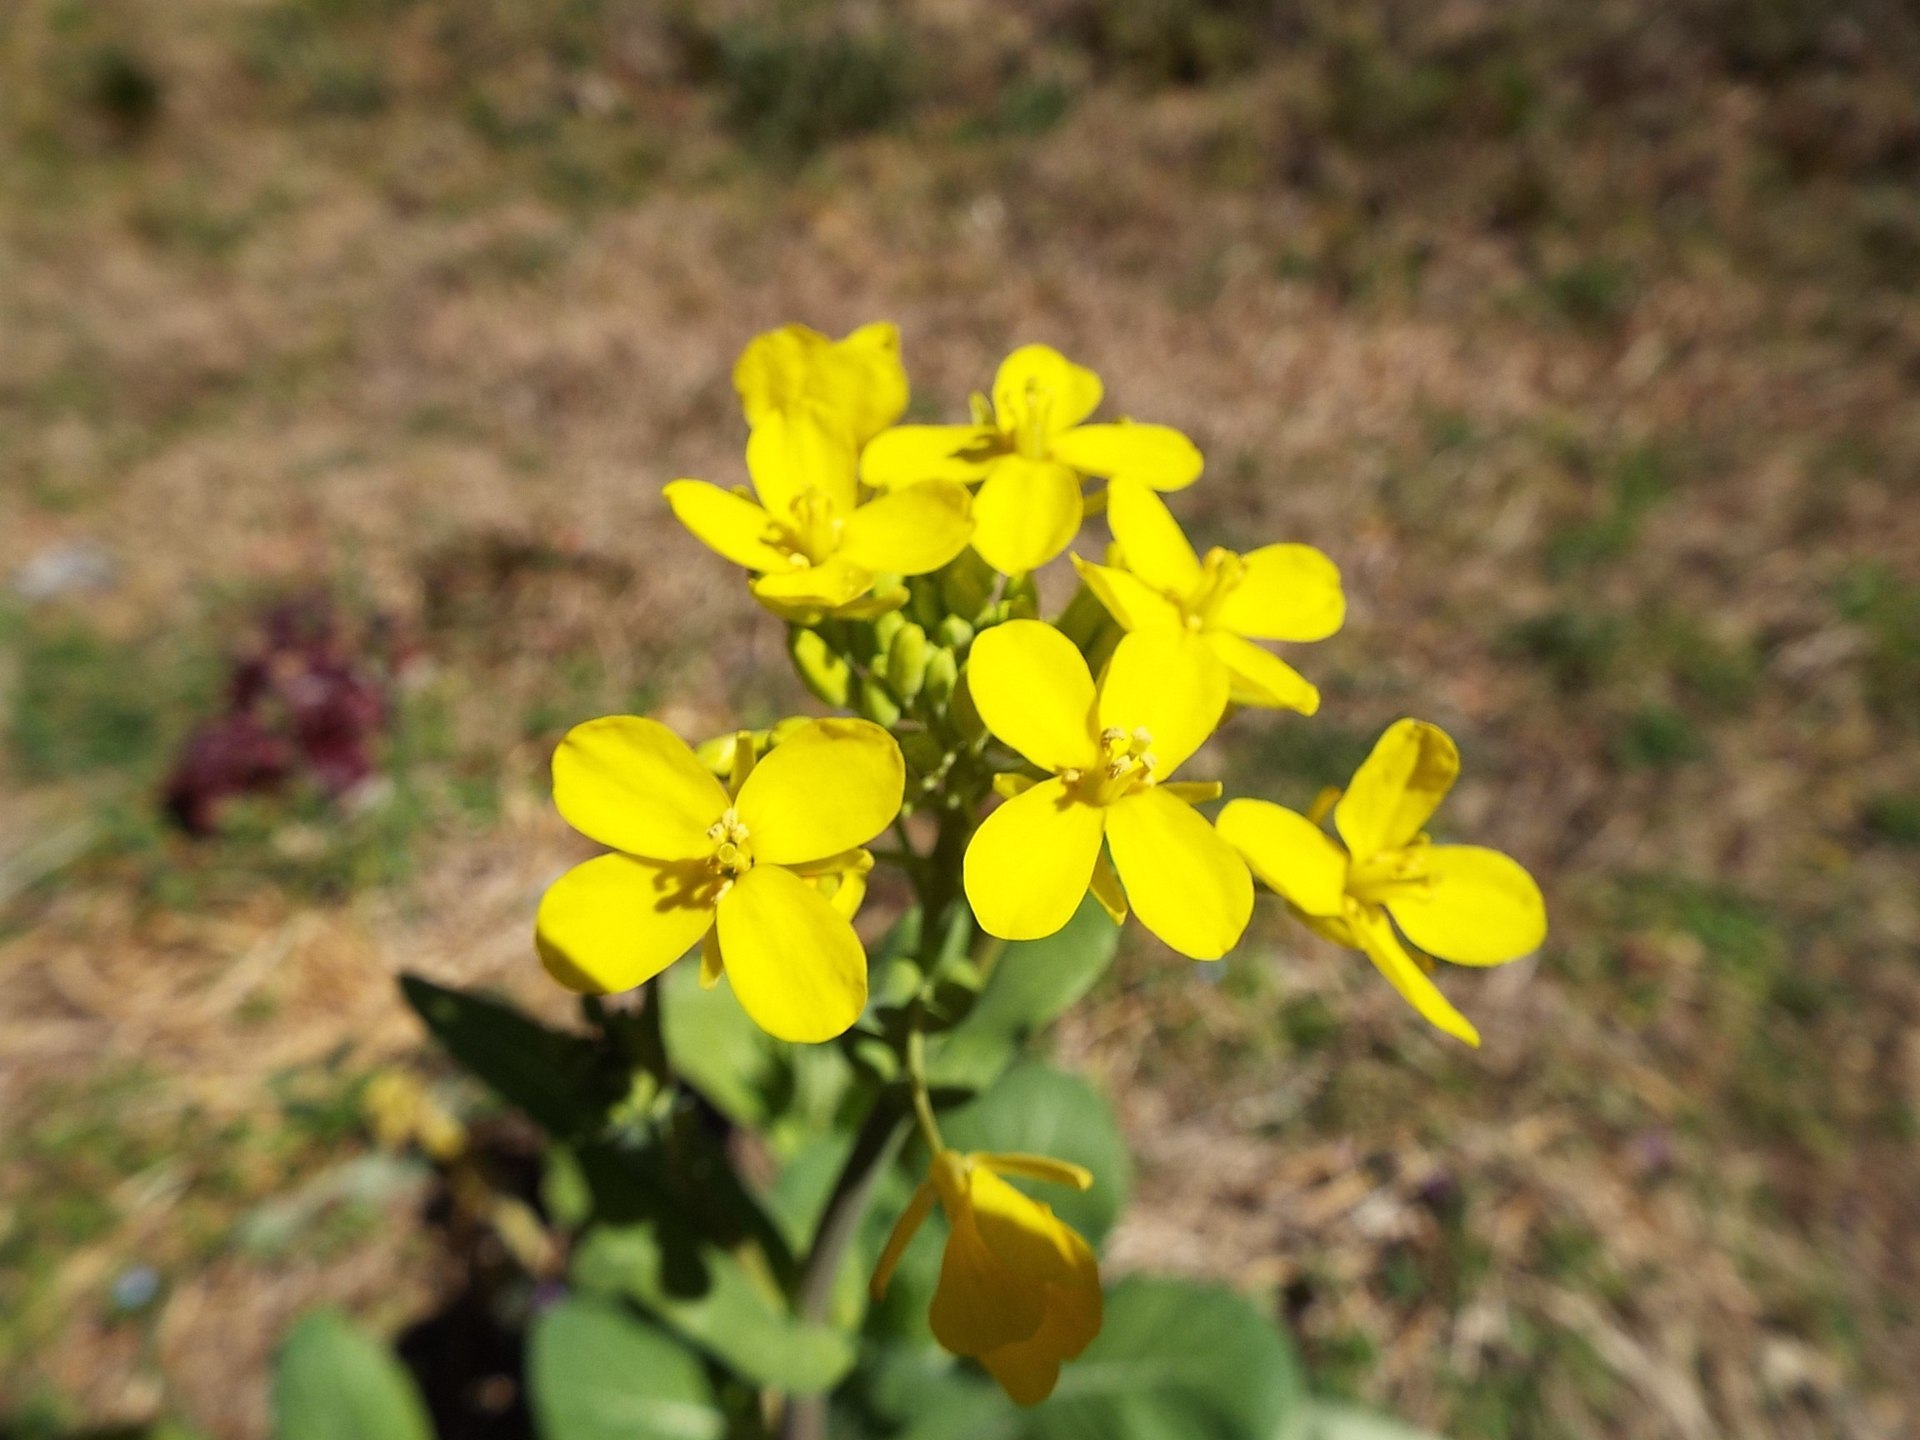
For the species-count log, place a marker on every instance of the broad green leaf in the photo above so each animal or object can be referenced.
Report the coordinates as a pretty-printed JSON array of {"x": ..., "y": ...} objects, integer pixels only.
[
  {"x": 597, "y": 1371},
  {"x": 1174, "y": 1361},
  {"x": 1333, "y": 1420},
  {"x": 562, "y": 1081},
  {"x": 332, "y": 1381},
  {"x": 708, "y": 1296},
  {"x": 1033, "y": 983},
  {"x": 1043, "y": 1111}
]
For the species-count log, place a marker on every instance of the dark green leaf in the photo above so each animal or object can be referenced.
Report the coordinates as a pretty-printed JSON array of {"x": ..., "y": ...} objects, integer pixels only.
[
  {"x": 708, "y": 1296},
  {"x": 1043, "y": 1111},
  {"x": 597, "y": 1371},
  {"x": 562, "y": 1081},
  {"x": 331, "y": 1381},
  {"x": 1331, "y": 1420}
]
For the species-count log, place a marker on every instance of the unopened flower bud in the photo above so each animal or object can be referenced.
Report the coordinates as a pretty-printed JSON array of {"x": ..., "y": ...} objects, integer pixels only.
[
  {"x": 876, "y": 704},
  {"x": 943, "y": 674},
  {"x": 823, "y": 672},
  {"x": 955, "y": 633},
  {"x": 907, "y": 662}
]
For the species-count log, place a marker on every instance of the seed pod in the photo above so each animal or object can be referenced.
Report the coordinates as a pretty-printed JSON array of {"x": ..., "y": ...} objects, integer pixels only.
[
  {"x": 825, "y": 673},
  {"x": 907, "y": 662}
]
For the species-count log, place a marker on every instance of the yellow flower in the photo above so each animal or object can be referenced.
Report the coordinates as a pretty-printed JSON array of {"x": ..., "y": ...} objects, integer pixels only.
[
  {"x": 1109, "y": 752},
  {"x": 1019, "y": 1290},
  {"x": 1462, "y": 903},
  {"x": 815, "y": 545},
  {"x": 742, "y": 872},
  {"x": 858, "y": 381},
  {"x": 1030, "y": 451},
  {"x": 1278, "y": 592}
]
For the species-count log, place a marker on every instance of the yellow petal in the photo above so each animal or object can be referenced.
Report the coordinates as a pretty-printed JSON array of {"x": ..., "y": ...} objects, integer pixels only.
[
  {"x": 1026, "y": 513},
  {"x": 1150, "y": 539},
  {"x": 1039, "y": 388},
  {"x": 1155, "y": 455},
  {"x": 632, "y": 784},
  {"x": 830, "y": 786},
  {"x": 796, "y": 965},
  {"x": 910, "y": 531},
  {"x": 1036, "y": 1167},
  {"x": 1168, "y": 684},
  {"x": 1483, "y": 909},
  {"x": 858, "y": 382},
  {"x": 1107, "y": 889},
  {"x": 1194, "y": 792},
  {"x": 616, "y": 922},
  {"x": 1369, "y": 926},
  {"x": 1292, "y": 855},
  {"x": 1028, "y": 867},
  {"x": 712, "y": 967},
  {"x": 1184, "y": 882},
  {"x": 791, "y": 453},
  {"x": 914, "y": 454},
  {"x": 1396, "y": 788},
  {"x": 901, "y": 1236},
  {"x": 1029, "y": 1369},
  {"x": 1260, "y": 677},
  {"x": 869, "y": 387},
  {"x": 1130, "y": 600},
  {"x": 806, "y": 588},
  {"x": 1289, "y": 592},
  {"x": 728, "y": 524},
  {"x": 772, "y": 371},
  {"x": 1033, "y": 691},
  {"x": 979, "y": 1304}
]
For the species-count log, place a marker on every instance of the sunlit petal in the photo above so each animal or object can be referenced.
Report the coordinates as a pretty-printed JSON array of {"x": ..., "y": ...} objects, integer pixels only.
[
  {"x": 1032, "y": 689},
  {"x": 791, "y": 453},
  {"x": 830, "y": 786},
  {"x": 827, "y": 586},
  {"x": 914, "y": 454},
  {"x": 615, "y": 922},
  {"x": 1260, "y": 677},
  {"x": 1038, "y": 387},
  {"x": 1185, "y": 883},
  {"x": 1129, "y": 599},
  {"x": 1151, "y": 542},
  {"x": 728, "y": 524},
  {"x": 910, "y": 531},
  {"x": 1028, "y": 867},
  {"x": 1155, "y": 455},
  {"x": 795, "y": 964},
  {"x": 1290, "y": 854},
  {"x": 632, "y": 784},
  {"x": 1026, "y": 513},
  {"x": 1482, "y": 907},
  {"x": 1396, "y": 788},
  {"x": 1289, "y": 592},
  {"x": 1170, "y": 685},
  {"x": 1369, "y": 926}
]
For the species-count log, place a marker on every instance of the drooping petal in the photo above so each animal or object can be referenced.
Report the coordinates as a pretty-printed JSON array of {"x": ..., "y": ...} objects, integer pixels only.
[
  {"x": 728, "y": 524},
  {"x": 1289, "y": 592},
  {"x": 1260, "y": 677},
  {"x": 1483, "y": 907},
  {"x": 1029, "y": 1369},
  {"x": 901, "y": 1236},
  {"x": 910, "y": 531},
  {"x": 1129, "y": 599},
  {"x": 1169, "y": 684},
  {"x": 1396, "y": 788},
  {"x": 791, "y": 452},
  {"x": 1185, "y": 883},
  {"x": 979, "y": 1304},
  {"x": 616, "y": 922},
  {"x": 799, "y": 590},
  {"x": 1152, "y": 545},
  {"x": 1026, "y": 513},
  {"x": 1155, "y": 455},
  {"x": 1036, "y": 1167},
  {"x": 1107, "y": 890},
  {"x": 1028, "y": 867},
  {"x": 633, "y": 785},
  {"x": 1369, "y": 926},
  {"x": 1032, "y": 689},
  {"x": 914, "y": 454},
  {"x": 1038, "y": 387},
  {"x": 831, "y": 785},
  {"x": 1294, "y": 857},
  {"x": 796, "y": 965}
]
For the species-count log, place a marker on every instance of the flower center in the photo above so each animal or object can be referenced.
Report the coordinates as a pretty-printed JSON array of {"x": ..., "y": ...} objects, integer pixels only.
[
  {"x": 732, "y": 856},
  {"x": 1221, "y": 572},
  {"x": 1391, "y": 874},
  {"x": 1126, "y": 764},
  {"x": 812, "y": 531}
]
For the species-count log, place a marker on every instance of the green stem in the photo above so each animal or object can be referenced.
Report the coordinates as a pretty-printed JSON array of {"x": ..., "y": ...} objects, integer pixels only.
[{"x": 922, "y": 1100}]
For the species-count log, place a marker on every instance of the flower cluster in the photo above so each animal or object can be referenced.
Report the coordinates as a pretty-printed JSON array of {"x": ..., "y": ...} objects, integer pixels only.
[{"x": 1022, "y": 763}]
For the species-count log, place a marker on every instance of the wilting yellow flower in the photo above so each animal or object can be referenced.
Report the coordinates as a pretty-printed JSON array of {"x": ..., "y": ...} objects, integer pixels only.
[
  {"x": 1109, "y": 752},
  {"x": 815, "y": 545},
  {"x": 1019, "y": 1290},
  {"x": 767, "y": 874},
  {"x": 859, "y": 381},
  {"x": 1462, "y": 903},
  {"x": 1278, "y": 592},
  {"x": 1030, "y": 451}
]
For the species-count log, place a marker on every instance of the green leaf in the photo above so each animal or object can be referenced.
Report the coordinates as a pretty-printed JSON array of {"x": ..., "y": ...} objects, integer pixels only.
[
  {"x": 1034, "y": 983},
  {"x": 599, "y": 1372},
  {"x": 564, "y": 1082},
  {"x": 1174, "y": 1361},
  {"x": 1043, "y": 1111},
  {"x": 332, "y": 1381},
  {"x": 1333, "y": 1420},
  {"x": 708, "y": 1296},
  {"x": 713, "y": 1046}
]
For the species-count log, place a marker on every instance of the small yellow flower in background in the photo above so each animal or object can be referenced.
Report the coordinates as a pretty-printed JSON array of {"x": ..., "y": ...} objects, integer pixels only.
[
  {"x": 1109, "y": 751},
  {"x": 1462, "y": 903},
  {"x": 765, "y": 877},
  {"x": 1030, "y": 452},
  {"x": 1278, "y": 592},
  {"x": 817, "y": 548},
  {"x": 1019, "y": 1290},
  {"x": 858, "y": 381}
]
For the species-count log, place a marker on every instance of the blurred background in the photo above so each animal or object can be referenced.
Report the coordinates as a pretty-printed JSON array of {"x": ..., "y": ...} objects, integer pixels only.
[{"x": 345, "y": 346}]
